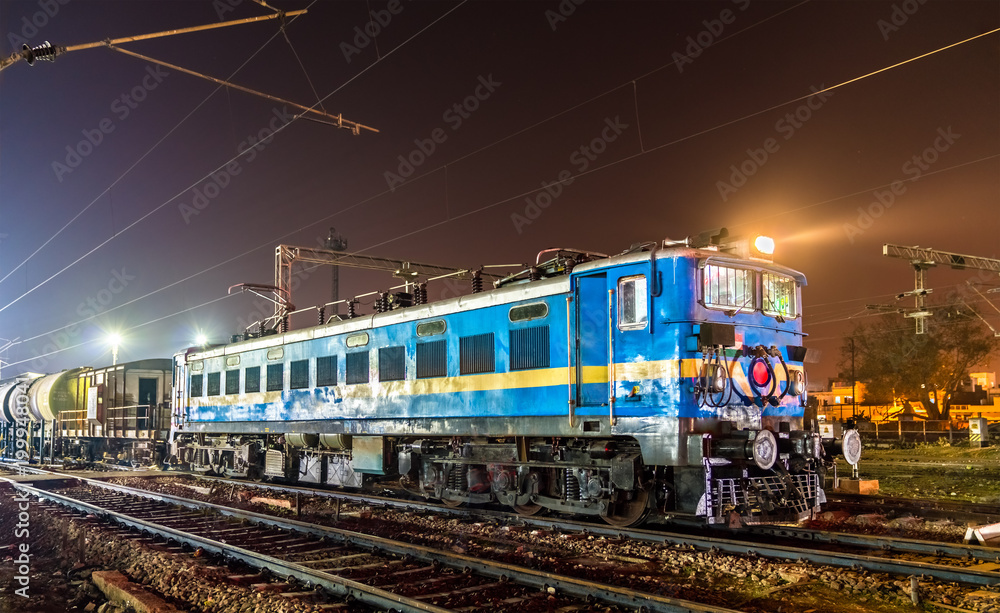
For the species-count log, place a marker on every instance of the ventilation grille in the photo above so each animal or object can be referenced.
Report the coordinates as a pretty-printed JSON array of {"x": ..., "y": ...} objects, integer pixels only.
[
  {"x": 476, "y": 354},
  {"x": 357, "y": 367},
  {"x": 252, "y": 380},
  {"x": 432, "y": 359},
  {"x": 529, "y": 348},
  {"x": 326, "y": 371},
  {"x": 391, "y": 364},
  {"x": 275, "y": 377},
  {"x": 299, "y": 374}
]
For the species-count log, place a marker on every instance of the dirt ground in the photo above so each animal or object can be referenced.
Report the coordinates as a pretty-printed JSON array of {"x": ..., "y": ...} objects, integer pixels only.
[{"x": 934, "y": 471}]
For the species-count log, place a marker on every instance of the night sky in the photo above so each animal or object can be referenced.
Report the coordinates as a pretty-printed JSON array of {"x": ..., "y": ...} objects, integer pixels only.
[{"x": 125, "y": 202}]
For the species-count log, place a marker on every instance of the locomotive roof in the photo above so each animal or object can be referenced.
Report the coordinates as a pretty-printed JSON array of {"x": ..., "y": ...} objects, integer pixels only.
[{"x": 504, "y": 295}]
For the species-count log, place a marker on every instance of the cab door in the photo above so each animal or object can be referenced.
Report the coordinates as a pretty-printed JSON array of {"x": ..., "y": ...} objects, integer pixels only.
[
  {"x": 635, "y": 371},
  {"x": 592, "y": 341}
]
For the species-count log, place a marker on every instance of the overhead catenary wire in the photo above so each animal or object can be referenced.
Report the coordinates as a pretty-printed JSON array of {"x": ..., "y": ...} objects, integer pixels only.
[
  {"x": 595, "y": 169},
  {"x": 59, "y": 50},
  {"x": 338, "y": 119},
  {"x": 209, "y": 174},
  {"x": 142, "y": 157}
]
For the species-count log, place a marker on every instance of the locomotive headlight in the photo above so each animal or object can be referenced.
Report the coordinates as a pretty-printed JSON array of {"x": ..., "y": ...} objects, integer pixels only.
[{"x": 764, "y": 245}]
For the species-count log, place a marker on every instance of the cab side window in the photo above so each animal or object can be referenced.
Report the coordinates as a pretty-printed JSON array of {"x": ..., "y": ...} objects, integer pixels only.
[{"x": 632, "y": 303}]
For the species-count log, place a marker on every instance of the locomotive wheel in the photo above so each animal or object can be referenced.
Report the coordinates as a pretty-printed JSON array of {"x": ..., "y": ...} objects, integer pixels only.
[
  {"x": 527, "y": 509},
  {"x": 628, "y": 513}
]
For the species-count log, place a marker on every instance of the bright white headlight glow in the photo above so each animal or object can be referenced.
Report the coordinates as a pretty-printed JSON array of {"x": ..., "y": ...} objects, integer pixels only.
[{"x": 764, "y": 244}]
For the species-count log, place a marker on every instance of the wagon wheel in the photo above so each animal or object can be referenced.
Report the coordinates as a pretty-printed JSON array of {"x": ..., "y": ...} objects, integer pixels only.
[
  {"x": 629, "y": 512},
  {"x": 527, "y": 509}
]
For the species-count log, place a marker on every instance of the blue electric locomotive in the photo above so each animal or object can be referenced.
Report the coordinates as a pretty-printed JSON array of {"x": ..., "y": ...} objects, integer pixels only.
[{"x": 667, "y": 380}]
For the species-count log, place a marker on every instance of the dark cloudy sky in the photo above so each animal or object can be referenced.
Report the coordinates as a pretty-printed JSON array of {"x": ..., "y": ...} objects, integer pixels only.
[{"x": 671, "y": 118}]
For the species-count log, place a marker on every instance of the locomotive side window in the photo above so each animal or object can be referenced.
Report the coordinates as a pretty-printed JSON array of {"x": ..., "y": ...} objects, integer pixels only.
[
  {"x": 391, "y": 364},
  {"x": 275, "y": 377},
  {"x": 232, "y": 382},
  {"x": 432, "y": 359},
  {"x": 214, "y": 386},
  {"x": 476, "y": 354},
  {"x": 357, "y": 340},
  {"x": 299, "y": 374},
  {"x": 357, "y": 367},
  {"x": 197, "y": 385},
  {"x": 432, "y": 328},
  {"x": 728, "y": 288},
  {"x": 252, "y": 379},
  {"x": 326, "y": 371},
  {"x": 632, "y": 303},
  {"x": 528, "y": 312},
  {"x": 778, "y": 295},
  {"x": 276, "y": 353}
]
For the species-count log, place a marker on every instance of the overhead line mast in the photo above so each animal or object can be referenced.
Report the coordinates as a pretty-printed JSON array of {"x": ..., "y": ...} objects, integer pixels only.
[
  {"x": 48, "y": 52},
  {"x": 923, "y": 259}
]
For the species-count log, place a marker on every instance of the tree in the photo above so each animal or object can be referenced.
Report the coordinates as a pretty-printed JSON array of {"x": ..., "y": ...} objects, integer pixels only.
[{"x": 894, "y": 361}]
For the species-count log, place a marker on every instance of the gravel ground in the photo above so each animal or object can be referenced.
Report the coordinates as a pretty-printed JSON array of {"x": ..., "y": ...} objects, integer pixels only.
[
  {"x": 63, "y": 555},
  {"x": 741, "y": 582}
]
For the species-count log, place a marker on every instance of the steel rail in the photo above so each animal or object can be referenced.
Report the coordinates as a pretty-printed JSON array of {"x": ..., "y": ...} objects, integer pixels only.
[
  {"x": 731, "y": 546},
  {"x": 337, "y": 586},
  {"x": 741, "y": 547},
  {"x": 578, "y": 588},
  {"x": 990, "y": 554}
]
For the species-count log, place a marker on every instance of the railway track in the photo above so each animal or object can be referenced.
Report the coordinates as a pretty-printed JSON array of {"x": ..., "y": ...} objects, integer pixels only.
[
  {"x": 962, "y": 564},
  {"x": 968, "y": 564},
  {"x": 374, "y": 571},
  {"x": 857, "y": 504}
]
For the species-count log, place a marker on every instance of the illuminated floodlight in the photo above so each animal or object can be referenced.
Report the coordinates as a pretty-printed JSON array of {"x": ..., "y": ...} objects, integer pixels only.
[
  {"x": 114, "y": 339},
  {"x": 201, "y": 340},
  {"x": 764, "y": 244}
]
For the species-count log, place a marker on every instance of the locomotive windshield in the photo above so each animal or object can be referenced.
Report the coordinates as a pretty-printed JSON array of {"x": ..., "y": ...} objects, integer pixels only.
[
  {"x": 779, "y": 295},
  {"x": 728, "y": 288}
]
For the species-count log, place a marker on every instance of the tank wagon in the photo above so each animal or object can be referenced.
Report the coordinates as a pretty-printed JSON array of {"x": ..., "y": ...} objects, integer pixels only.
[
  {"x": 116, "y": 413},
  {"x": 665, "y": 380}
]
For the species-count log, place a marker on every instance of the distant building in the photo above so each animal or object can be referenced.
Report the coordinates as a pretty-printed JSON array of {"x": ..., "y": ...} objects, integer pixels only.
[{"x": 838, "y": 403}]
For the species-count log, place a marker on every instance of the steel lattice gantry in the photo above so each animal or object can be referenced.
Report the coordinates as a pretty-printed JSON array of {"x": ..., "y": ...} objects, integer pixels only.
[{"x": 922, "y": 259}]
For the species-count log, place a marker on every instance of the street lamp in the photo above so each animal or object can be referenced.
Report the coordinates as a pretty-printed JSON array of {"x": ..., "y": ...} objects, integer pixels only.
[{"x": 114, "y": 339}]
